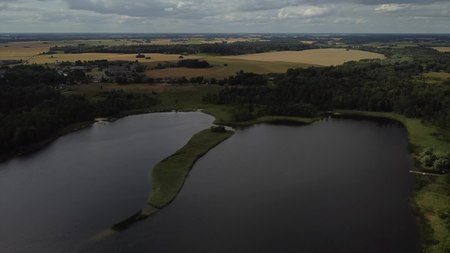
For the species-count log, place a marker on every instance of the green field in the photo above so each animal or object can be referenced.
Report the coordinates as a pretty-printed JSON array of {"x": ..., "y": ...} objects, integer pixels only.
[
  {"x": 169, "y": 175},
  {"x": 421, "y": 135}
]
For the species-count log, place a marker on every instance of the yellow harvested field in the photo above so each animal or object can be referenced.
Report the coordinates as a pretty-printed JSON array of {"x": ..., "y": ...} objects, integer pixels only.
[
  {"x": 41, "y": 59},
  {"x": 23, "y": 50},
  {"x": 442, "y": 49},
  {"x": 318, "y": 57}
]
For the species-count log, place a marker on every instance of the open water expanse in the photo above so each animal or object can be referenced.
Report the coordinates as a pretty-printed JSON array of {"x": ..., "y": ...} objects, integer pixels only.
[{"x": 338, "y": 185}]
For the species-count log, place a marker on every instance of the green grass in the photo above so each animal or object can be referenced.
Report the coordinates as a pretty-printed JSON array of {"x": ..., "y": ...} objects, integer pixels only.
[
  {"x": 282, "y": 120},
  {"x": 433, "y": 201},
  {"x": 169, "y": 175},
  {"x": 433, "y": 198},
  {"x": 235, "y": 65},
  {"x": 421, "y": 134}
]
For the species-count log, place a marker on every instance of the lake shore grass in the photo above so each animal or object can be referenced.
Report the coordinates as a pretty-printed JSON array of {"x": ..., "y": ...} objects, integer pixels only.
[
  {"x": 275, "y": 120},
  {"x": 431, "y": 200},
  {"x": 170, "y": 174}
]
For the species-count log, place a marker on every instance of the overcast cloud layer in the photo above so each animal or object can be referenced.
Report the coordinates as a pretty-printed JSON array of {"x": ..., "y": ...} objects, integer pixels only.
[{"x": 232, "y": 16}]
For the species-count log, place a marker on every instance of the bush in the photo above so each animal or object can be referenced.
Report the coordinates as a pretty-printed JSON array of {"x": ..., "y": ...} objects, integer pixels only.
[{"x": 218, "y": 129}]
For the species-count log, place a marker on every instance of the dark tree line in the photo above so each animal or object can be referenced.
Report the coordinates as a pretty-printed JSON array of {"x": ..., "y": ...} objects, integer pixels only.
[
  {"x": 32, "y": 107},
  {"x": 193, "y": 63},
  {"x": 235, "y": 48},
  {"x": 369, "y": 86}
]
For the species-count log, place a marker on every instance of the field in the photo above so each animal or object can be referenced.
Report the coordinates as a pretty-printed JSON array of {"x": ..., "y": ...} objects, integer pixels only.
[
  {"x": 437, "y": 77},
  {"x": 442, "y": 49},
  {"x": 32, "y": 52},
  {"x": 319, "y": 57},
  {"x": 215, "y": 72},
  {"x": 26, "y": 50},
  {"x": 399, "y": 44},
  {"x": 200, "y": 40},
  {"x": 42, "y": 59},
  {"x": 223, "y": 68},
  {"x": 22, "y": 50}
]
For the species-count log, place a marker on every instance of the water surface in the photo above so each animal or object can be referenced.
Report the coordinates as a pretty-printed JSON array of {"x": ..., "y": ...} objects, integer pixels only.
[
  {"x": 334, "y": 186},
  {"x": 54, "y": 200}
]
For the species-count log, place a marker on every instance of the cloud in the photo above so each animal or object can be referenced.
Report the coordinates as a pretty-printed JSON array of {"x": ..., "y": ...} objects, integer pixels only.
[
  {"x": 225, "y": 15},
  {"x": 303, "y": 11},
  {"x": 391, "y": 7},
  {"x": 350, "y": 20}
]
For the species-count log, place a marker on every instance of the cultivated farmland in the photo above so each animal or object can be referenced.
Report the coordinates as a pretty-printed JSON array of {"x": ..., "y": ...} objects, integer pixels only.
[
  {"x": 318, "y": 57},
  {"x": 442, "y": 49},
  {"x": 23, "y": 50},
  {"x": 41, "y": 59}
]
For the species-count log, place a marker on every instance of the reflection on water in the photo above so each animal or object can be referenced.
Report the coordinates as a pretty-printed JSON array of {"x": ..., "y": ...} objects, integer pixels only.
[
  {"x": 57, "y": 198},
  {"x": 334, "y": 186}
]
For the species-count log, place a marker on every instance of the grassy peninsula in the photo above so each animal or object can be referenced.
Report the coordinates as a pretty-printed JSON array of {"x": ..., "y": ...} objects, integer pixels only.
[{"x": 169, "y": 175}]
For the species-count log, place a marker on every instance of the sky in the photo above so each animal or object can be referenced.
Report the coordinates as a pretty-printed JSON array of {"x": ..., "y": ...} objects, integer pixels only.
[{"x": 225, "y": 16}]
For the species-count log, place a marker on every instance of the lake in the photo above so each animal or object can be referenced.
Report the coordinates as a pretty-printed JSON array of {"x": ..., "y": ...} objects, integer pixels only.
[
  {"x": 334, "y": 186},
  {"x": 54, "y": 200},
  {"x": 338, "y": 185}
]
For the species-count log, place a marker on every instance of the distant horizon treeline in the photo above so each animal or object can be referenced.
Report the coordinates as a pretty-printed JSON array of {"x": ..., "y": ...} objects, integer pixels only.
[{"x": 235, "y": 48}]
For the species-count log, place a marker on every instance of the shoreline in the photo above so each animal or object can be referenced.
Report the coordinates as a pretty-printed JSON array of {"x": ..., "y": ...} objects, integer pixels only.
[
  {"x": 429, "y": 197},
  {"x": 165, "y": 188},
  {"x": 36, "y": 147},
  {"x": 169, "y": 176},
  {"x": 74, "y": 127},
  {"x": 420, "y": 135}
]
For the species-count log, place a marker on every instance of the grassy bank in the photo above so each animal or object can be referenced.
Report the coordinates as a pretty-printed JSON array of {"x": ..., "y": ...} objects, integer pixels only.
[
  {"x": 432, "y": 198},
  {"x": 169, "y": 175},
  {"x": 276, "y": 120}
]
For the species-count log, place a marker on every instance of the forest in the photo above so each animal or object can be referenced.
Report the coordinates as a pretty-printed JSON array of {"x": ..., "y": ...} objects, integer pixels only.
[
  {"x": 33, "y": 108},
  {"x": 235, "y": 48},
  {"x": 387, "y": 86}
]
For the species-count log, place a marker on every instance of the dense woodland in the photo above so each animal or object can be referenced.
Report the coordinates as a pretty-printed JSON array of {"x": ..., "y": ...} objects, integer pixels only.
[
  {"x": 235, "y": 48},
  {"x": 32, "y": 107},
  {"x": 390, "y": 86},
  {"x": 193, "y": 63}
]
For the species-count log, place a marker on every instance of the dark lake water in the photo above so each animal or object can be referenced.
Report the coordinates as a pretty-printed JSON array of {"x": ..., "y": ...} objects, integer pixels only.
[
  {"x": 54, "y": 200},
  {"x": 333, "y": 186}
]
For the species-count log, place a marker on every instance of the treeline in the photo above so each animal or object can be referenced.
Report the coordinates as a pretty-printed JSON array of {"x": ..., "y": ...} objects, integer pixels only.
[
  {"x": 369, "y": 86},
  {"x": 193, "y": 63},
  {"x": 33, "y": 109},
  {"x": 235, "y": 48}
]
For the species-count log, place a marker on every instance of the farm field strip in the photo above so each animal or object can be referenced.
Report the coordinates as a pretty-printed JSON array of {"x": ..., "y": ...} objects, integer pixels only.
[
  {"x": 442, "y": 49},
  {"x": 322, "y": 57}
]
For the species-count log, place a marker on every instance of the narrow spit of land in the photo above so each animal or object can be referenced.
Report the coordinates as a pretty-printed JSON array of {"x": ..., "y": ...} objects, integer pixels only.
[{"x": 170, "y": 174}]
